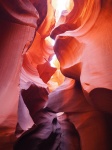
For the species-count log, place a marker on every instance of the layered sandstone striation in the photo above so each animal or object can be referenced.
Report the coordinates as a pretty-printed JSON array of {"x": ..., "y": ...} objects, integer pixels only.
[{"x": 33, "y": 93}]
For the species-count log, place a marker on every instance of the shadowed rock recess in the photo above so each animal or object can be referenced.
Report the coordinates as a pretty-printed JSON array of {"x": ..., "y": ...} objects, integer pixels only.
[{"x": 55, "y": 75}]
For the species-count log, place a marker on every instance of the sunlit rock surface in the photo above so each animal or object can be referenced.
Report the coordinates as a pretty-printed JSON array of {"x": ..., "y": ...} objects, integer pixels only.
[
  {"x": 92, "y": 56},
  {"x": 33, "y": 93}
]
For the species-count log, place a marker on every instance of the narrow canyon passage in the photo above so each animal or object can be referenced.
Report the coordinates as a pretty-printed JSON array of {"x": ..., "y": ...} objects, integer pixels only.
[{"x": 55, "y": 75}]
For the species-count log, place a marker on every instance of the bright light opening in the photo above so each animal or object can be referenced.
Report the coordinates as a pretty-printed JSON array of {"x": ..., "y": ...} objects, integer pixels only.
[
  {"x": 52, "y": 62},
  {"x": 59, "y": 6},
  {"x": 52, "y": 42},
  {"x": 59, "y": 114}
]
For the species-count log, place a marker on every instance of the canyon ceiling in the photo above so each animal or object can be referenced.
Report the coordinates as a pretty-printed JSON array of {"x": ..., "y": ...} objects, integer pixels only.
[{"x": 66, "y": 105}]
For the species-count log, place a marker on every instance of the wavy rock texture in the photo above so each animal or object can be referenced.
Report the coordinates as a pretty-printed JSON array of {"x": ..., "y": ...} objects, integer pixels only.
[
  {"x": 51, "y": 132},
  {"x": 31, "y": 100},
  {"x": 92, "y": 51},
  {"x": 15, "y": 35}
]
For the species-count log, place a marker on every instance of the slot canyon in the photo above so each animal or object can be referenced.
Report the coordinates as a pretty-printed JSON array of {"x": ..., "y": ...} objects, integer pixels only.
[{"x": 55, "y": 74}]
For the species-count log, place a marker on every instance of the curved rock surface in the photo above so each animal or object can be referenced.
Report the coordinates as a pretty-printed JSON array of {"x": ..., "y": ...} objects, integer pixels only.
[{"x": 67, "y": 107}]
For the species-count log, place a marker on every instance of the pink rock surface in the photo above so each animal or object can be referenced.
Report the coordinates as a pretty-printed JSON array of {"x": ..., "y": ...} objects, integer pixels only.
[{"x": 83, "y": 47}]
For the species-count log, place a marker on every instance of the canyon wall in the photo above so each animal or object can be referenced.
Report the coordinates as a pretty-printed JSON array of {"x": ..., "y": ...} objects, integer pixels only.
[{"x": 33, "y": 93}]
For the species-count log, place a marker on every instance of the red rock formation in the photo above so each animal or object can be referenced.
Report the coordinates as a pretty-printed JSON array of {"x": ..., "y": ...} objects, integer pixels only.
[
  {"x": 16, "y": 32},
  {"x": 83, "y": 47},
  {"x": 92, "y": 55}
]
